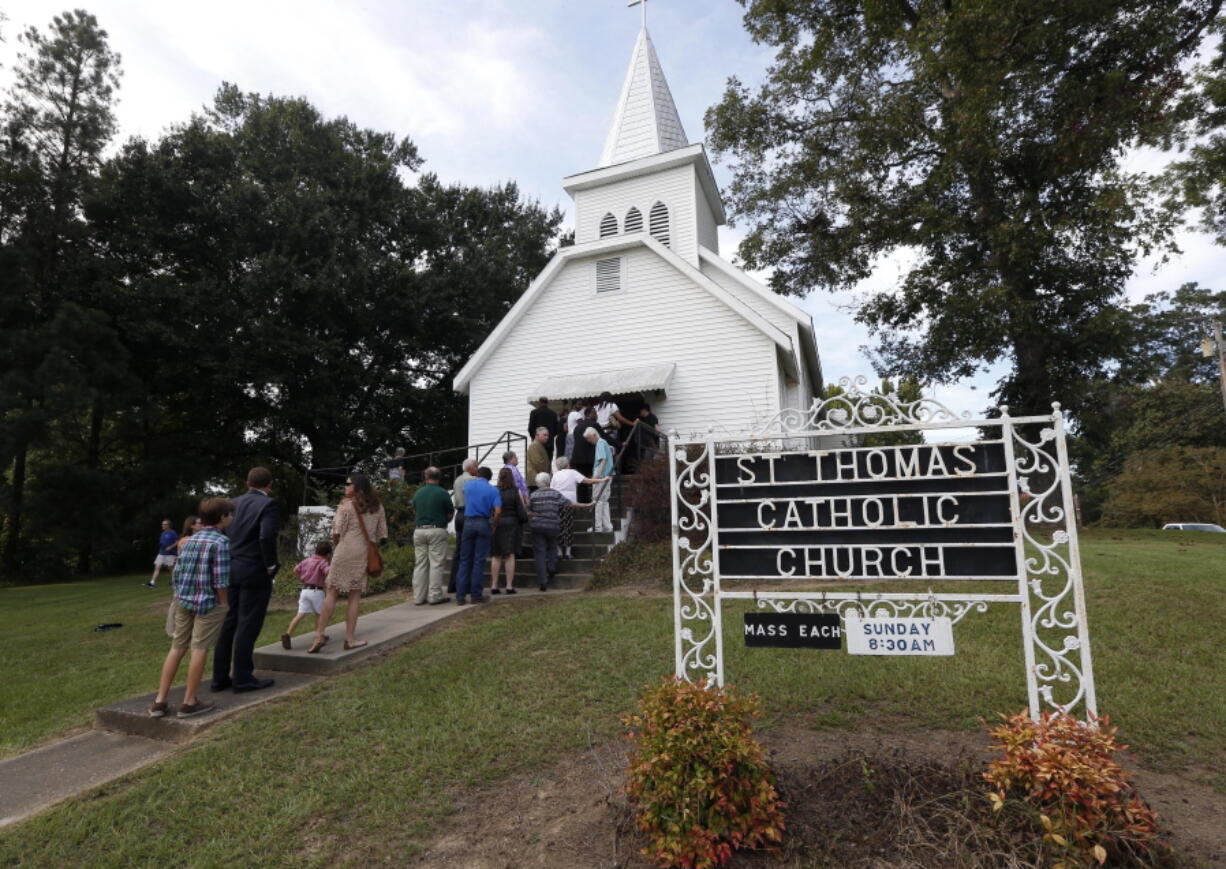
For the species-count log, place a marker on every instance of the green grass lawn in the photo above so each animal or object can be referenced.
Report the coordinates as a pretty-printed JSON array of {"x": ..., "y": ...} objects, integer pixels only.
[
  {"x": 60, "y": 669},
  {"x": 361, "y": 768}
]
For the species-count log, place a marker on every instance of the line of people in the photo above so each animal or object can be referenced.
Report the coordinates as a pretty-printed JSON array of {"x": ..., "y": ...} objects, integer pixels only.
[{"x": 490, "y": 521}]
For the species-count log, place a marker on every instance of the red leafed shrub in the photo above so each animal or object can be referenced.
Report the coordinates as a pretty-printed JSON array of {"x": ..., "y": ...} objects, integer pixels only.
[
  {"x": 698, "y": 779},
  {"x": 1064, "y": 770}
]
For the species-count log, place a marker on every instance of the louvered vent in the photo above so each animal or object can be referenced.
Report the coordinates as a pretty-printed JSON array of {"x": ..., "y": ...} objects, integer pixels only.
[
  {"x": 608, "y": 226},
  {"x": 659, "y": 223},
  {"x": 634, "y": 220},
  {"x": 608, "y": 275}
]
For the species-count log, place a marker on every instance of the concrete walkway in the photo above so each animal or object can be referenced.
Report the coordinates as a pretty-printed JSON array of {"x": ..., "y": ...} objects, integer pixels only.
[
  {"x": 37, "y": 780},
  {"x": 126, "y": 738},
  {"x": 383, "y": 630}
]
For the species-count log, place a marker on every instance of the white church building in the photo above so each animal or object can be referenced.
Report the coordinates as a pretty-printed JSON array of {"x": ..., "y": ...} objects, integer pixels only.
[{"x": 643, "y": 305}]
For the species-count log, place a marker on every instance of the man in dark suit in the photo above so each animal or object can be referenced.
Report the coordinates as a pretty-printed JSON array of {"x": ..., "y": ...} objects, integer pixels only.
[
  {"x": 544, "y": 417},
  {"x": 253, "y": 564}
]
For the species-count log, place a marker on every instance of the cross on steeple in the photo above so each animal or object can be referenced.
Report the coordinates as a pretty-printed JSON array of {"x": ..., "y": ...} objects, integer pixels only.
[{"x": 642, "y": 3}]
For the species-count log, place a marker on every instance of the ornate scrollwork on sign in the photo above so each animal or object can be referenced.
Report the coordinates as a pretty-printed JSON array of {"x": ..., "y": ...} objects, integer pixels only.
[
  {"x": 1051, "y": 577},
  {"x": 695, "y": 575},
  {"x": 925, "y": 608},
  {"x": 856, "y": 408},
  {"x": 1023, "y": 534}
]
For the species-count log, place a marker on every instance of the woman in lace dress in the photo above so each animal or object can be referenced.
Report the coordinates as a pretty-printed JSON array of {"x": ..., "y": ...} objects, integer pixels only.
[{"x": 360, "y": 518}]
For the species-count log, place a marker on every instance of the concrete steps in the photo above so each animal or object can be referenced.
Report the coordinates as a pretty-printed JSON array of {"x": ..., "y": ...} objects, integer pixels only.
[{"x": 132, "y": 716}]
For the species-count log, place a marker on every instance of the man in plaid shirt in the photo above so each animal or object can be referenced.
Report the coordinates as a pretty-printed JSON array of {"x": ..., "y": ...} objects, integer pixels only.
[{"x": 201, "y": 587}]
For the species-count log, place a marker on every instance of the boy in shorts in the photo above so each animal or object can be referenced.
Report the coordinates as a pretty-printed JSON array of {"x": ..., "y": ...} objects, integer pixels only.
[
  {"x": 311, "y": 573},
  {"x": 201, "y": 582},
  {"x": 167, "y": 550}
]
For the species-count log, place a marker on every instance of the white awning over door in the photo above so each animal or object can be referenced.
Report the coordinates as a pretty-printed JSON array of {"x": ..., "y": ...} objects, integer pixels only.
[{"x": 648, "y": 378}]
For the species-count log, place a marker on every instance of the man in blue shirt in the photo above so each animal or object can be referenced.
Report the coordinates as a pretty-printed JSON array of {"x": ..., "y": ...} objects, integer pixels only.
[
  {"x": 482, "y": 508},
  {"x": 167, "y": 550}
]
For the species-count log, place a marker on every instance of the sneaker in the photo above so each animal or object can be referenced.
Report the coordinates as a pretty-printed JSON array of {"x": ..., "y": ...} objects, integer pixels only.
[
  {"x": 510, "y": 591},
  {"x": 150, "y": 584},
  {"x": 197, "y": 708},
  {"x": 286, "y": 642},
  {"x": 158, "y": 710},
  {"x": 496, "y": 591}
]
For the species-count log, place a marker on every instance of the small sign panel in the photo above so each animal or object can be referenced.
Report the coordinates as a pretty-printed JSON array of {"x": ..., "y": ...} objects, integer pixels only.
[
  {"x": 887, "y": 636},
  {"x": 794, "y": 630}
]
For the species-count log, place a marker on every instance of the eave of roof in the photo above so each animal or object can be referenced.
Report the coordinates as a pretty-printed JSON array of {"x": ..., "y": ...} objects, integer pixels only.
[
  {"x": 695, "y": 154},
  {"x": 606, "y": 246}
]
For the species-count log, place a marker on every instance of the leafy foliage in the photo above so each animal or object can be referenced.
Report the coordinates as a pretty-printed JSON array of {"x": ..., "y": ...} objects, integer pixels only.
[
  {"x": 1064, "y": 770},
  {"x": 983, "y": 143},
  {"x": 261, "y": 285},
  {"x": 698, "y": 779},
  {"x": 647, "y": 494},
  {"x": 1173, "y": 484}
]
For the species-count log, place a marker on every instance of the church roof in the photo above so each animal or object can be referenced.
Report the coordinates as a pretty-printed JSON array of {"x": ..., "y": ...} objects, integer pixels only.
[
  {"x": 607, "y": 246},
  {"x": 646, "y": 121}
]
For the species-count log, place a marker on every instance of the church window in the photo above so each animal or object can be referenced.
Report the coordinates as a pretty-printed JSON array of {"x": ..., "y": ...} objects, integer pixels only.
[
  {"x": 659, "y": 223},
  {"x": 608, "y": 226},
  {"x": 608, "y": 275},
  {"x": 634, "y": 220}
]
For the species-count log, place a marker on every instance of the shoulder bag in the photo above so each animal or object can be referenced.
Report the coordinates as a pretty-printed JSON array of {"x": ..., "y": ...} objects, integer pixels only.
[{"x": 374, "y": 561}]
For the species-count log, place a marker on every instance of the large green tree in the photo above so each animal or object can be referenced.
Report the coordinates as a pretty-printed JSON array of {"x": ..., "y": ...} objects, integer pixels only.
[
  {"x": 1163, "y": 394},
  {"x": 984, "y": 140},
  {"x": 306, "y": 290},
  {"x": 57, "y": 119}
]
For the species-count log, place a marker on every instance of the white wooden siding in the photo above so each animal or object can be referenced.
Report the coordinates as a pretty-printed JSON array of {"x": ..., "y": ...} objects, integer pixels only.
[
  {"x": 726, "y": 372},
  {"x": 677, "y": 188},
  {"x": 708, "y": 232},
  {"x": 805, "y": 391},
  {"x": 773, "y": 315}
]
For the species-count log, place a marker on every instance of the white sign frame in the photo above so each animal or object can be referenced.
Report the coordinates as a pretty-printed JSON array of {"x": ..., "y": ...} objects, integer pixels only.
[{"x": 1047, "y": 585}]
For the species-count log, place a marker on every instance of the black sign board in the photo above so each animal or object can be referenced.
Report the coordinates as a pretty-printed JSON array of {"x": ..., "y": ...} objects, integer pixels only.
[
  {"x": 909, "y": 511},
  {"x": 794, "y": 630}
]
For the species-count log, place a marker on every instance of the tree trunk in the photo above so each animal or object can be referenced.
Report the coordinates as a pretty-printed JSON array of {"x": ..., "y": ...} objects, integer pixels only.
[
  {"x": 93, "y": 457},
  {"x": 11, "y": 558}
]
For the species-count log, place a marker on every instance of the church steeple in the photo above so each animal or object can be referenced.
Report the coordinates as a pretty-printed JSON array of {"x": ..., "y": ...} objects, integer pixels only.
[{"x": 646, "y": 121}]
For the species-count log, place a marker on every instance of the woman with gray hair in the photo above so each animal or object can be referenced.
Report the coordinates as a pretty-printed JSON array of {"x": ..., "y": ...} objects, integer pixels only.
[{"x": 546, "y": 506}]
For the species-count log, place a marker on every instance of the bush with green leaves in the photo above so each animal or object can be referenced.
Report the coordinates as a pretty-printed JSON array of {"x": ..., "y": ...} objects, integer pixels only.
[{"x": 698, "y": 779}]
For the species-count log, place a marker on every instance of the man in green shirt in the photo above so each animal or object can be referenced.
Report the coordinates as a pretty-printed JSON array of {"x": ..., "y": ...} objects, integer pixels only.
[{"x": 433, "y": 508}]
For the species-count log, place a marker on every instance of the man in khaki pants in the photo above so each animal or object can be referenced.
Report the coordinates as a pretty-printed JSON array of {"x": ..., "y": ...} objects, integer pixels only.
[{"x": 433, "y": 508}]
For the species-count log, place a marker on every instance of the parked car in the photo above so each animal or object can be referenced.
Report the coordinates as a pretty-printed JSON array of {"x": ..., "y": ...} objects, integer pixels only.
[{"x": 1193, "y": 526}]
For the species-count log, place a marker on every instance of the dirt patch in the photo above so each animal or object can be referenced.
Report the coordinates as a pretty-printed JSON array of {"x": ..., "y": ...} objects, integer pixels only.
[{"x": 854, "y": 800}]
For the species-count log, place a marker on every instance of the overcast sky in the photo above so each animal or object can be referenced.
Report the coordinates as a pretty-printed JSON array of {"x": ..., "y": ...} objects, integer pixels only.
[{"x": 489, "y": 90}]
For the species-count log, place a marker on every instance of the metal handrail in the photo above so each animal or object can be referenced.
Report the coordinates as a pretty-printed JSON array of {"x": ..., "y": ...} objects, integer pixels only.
[
  {"x": 450, "y": 470},
  {"x": 640, "y": 432}
]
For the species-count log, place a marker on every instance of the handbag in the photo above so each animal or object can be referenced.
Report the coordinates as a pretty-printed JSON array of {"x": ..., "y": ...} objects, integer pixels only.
[{"x": 374, "y": 561}]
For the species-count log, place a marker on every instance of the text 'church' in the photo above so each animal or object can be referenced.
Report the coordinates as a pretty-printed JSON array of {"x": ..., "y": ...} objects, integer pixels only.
[{"x": 642, "y": 305}]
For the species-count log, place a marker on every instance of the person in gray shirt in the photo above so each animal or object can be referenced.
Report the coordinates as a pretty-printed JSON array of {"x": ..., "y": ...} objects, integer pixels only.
[{"x": 469, "y": 469}]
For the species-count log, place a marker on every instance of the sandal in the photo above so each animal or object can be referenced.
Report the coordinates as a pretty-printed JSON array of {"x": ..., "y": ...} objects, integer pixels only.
[
  {"x": 317, "y": 645},
  {"x": 356, "y": 644}
]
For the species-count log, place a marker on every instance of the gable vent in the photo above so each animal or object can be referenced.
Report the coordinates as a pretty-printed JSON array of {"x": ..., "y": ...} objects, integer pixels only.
[
  {"x": 634, "y": 220},
  {"x": 608, "y": 275},
  {"x": 608, "y": 226},
  {"x": 659, "y": 223}
]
